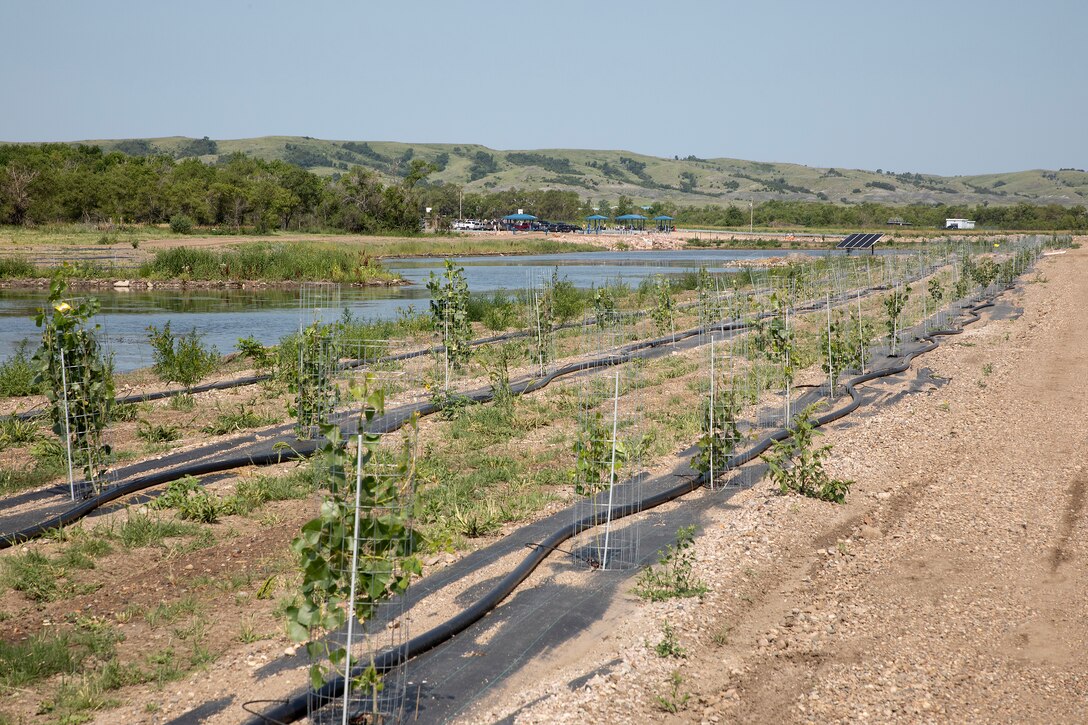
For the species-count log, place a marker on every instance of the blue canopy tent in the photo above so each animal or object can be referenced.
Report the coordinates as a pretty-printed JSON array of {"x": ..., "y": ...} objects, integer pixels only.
[
  {"x": 633, "y": 221},
  {"x": 512, "y": 219},
  {"x": 596, "y": 223},
  {"x": 663, "y": 224}
]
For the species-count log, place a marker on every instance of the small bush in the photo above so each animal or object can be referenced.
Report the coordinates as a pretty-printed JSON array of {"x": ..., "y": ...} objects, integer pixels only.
[
  {"x": 182, "y": 359},
  {"x": 674, "y": 576},
  {"x": 797, "y": 467},
  {"x": 181, "y": 224}
]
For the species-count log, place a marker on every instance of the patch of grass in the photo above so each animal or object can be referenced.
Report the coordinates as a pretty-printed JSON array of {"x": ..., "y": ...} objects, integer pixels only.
[
  {"x": 297, "y": 261},
  {"x": 18, "y": 268},
  {"x": 152, "y": 433},
  {"x": 141, "y": 529},
  {"x": 126, "y": 412},
  {"x": 164, "y": 666},
  {"x": 16, "y": 432},
  {"x": 248, "y": 634},
  {"x": 183, "y": 403},
  {"x": 168, "y": 612},
  {"x": 35, "y": 575},
  {"x": 232, "y": 421},
  {"x": 17, "y": 372},
  {"x": 81, "y": 552},
  {"x": 48, "y": 653},
  {"x": 20, "y": 480}
]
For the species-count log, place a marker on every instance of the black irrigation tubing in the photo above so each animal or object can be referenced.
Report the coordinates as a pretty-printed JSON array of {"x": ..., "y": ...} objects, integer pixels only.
[
  {"x": 393, "y": 422},
  {"x": 247, "y": 380},
  {"x": 297, "y": 707},
  {"x": 387, "y": 424}
]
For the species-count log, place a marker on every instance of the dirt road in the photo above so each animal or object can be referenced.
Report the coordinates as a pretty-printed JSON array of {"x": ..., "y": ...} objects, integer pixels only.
[{"x": 952, "y": 586}]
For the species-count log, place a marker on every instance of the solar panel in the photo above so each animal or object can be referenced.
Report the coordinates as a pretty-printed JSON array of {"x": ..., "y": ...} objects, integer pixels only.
[
  {"x": 859, "y": 241},
  {"x": 845, "y": 243}
]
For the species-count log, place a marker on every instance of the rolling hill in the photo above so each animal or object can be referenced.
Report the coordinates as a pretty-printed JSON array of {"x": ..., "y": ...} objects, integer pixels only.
[{"x": 609, "y": 174}]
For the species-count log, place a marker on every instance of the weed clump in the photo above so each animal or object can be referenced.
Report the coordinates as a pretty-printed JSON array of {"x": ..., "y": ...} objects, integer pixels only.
[{"x": 674, "y": 576}]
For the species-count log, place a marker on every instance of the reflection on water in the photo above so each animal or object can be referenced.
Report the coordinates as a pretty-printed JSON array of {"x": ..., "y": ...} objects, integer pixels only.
[{"x": 223, "y": 316}]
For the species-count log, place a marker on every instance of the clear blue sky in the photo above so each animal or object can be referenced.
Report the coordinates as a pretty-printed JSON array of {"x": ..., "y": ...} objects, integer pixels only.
[{"x": 951, "y": 87}]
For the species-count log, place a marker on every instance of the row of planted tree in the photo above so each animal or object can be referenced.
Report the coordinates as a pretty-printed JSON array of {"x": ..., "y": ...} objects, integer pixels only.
[{"x": 764, "y": 334}]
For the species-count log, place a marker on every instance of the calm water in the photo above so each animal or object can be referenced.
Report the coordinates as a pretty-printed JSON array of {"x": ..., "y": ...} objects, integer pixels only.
[{"x": 223, "y": 316}]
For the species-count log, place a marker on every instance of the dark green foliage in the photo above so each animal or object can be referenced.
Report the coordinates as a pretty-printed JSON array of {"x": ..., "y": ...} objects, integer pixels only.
[
  {"x": 662, "y": 312},
  {"x": 893, "y": 306},
  {"x": 844, "y": 346},
  {"x": 597, "y": 455},
  {"x": 567, "y": 301},
  {"x": 549, "y": 163},
  {"x": 181, "y": 224},
  {"x": 483, "y": 164},
  {"x": 797, "y": 467},
  {"x": 198, "y": 147},
  {"x": 182, "y": 359},
  {"x": 604, "y": 307},
  {"x": 315, "y": 395}
]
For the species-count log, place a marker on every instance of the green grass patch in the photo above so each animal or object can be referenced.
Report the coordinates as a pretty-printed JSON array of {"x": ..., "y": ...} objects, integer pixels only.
[
  {"x": 291, "y": 261},
  {"x": 140, "y": 529},
  {"x": 17, "y": 372},
  {"x": 50, "y": 653}
]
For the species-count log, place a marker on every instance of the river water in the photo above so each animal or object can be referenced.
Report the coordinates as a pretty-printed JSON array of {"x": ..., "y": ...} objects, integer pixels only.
[{"x": 223, "y": 316}]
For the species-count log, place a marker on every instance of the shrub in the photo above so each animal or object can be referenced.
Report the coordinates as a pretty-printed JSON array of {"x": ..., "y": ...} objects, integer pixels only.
[
  {"x": 797, "y": 467},
  {"x": 181, "y": 224},
  {"x": 182, "y": 359},
  {"x": 674, "y": 575}
]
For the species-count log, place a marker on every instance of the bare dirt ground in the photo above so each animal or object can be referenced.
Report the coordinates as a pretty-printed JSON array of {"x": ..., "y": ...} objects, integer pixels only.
[{"x": 951, "y": 587}]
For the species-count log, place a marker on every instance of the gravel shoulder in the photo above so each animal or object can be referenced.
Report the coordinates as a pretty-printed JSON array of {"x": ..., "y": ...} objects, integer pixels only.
[{"x": 950, "y": 587}]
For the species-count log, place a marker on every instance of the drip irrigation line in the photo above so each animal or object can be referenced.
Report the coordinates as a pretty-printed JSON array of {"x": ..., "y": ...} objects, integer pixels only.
[
  {"x": 389, "y": 423},
  {"x": 297, "y": 707},
  {"x": 247, "y": 380}
]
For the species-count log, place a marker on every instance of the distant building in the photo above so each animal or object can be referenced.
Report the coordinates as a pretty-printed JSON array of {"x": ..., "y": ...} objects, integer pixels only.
[
  {"x": 899, "y": 222},
  {"x": 959, "y": 224}
]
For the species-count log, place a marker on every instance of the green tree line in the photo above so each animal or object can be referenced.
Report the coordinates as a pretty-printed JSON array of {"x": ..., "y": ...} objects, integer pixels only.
[
  {"x": 44, "y": 183},
  {"x": 63, "y": 183}
]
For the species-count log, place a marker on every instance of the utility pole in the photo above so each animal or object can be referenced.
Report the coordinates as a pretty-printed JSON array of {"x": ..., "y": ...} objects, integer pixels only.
[
  {"x": 751, "y": 217},
  {"x": 460, "y": 198}
]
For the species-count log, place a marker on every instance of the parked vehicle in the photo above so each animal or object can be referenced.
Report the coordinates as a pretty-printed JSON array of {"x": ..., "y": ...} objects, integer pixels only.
[{"x": 563, "y": 227}]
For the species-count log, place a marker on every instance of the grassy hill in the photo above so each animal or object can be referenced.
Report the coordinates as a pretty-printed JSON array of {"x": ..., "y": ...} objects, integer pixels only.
[{"x": 609, "y": 174}]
